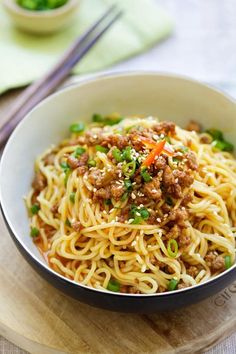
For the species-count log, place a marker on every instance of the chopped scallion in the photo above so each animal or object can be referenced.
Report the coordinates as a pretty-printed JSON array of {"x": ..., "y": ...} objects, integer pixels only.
[
  {"x": 116, "y": 153},
  {"x": 107, "y": 120},
  {"x": 107, "y": 202},
  {"x": 145, "y": 175},
  {"x": 35, "y": 209},
  {"x": 169, "y": 201},
  {"x": 72, "y": 197},
  {"x": 128, "y": 185},
  {"x": 172, "y": 284},
  {"x": 172, "y": 248},
  {"x": 34, "y": 232},
  {"x": 79, "y": 151},
  {"x": 128, "y": 169},
  {"x": 124, "y": 197},
  {"x": 137, "y": 220},
  {"x": 101, "y": 148},
  {"x": 223, "y": 145},
  {"x": 228, "y": 262},
  {"x": 126, "y": 153},
  {"x": 91, "y": 163},
  {"x": 113, "y": 285},
  {"x": 67, "y": 222},
  {"x": 67, "y": 174},
  {"x": 144, "y": 213},
  {"x": 77, "y": 127},
  {"x": 216, "y": 134},
  {"x": 65, "y": 166}
]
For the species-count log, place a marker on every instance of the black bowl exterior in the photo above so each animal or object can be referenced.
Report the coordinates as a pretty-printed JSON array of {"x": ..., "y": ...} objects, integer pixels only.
[{"x": 128, "y": 303}]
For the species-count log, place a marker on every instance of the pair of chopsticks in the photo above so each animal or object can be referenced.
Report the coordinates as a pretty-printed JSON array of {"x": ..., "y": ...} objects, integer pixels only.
[{"x": 47, "y": 84}]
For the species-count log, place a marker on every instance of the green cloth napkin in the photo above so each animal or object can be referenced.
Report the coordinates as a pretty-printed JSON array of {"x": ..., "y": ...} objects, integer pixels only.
[{"x": 24, "y": 57}]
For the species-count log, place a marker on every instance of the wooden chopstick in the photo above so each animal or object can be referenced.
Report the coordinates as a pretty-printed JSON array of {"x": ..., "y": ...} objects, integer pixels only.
[{"x": 47, "y": 84}]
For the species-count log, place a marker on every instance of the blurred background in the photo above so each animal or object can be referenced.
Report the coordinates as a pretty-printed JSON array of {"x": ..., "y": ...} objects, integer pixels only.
[{"x": 197, "y": 40}]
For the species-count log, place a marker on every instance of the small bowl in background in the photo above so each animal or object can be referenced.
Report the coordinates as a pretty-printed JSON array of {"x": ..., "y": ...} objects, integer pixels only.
[{"x": 41, "y": 22}]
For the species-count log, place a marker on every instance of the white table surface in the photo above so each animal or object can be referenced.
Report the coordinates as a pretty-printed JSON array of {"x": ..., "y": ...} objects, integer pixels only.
[{"x": 203, "y": 46}]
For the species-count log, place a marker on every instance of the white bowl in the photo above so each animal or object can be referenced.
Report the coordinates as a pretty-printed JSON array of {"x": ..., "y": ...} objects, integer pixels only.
[{"x": 166, "y": 96}]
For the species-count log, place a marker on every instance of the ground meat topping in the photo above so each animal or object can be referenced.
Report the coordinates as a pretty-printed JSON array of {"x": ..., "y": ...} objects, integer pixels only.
[
  {"x": 192, "y": 161},
  {"x": 152, "y": 189},
  {"x": 39, "y": 182},
  {"x": 214, "y": 261},
  {"x": 194, "y": 126}
]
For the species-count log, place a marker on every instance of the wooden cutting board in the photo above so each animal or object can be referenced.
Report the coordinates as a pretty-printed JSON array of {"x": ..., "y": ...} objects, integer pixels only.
[{"x": 41, "y": 320}]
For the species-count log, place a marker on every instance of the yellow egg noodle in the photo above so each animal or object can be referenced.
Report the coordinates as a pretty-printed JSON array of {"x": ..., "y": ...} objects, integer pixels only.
[{"x": 102, "y": 248}]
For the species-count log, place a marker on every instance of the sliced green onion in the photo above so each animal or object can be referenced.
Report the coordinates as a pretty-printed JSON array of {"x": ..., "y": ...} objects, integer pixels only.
[
  {"x": 128, "y": 184},
  {"x": 77, "y": 127},
  {"x": 169, "y": 201},
  {"x": 107, "y": 202},
  {"x": 228, "y": 262},
  {"x": 65, "y": 166},
  {"x": 35, "y": 209},
  {"x": 67, "y": 222},
  {"x": 41, "y": 5},
  {"x": 172, "y": 284},
  {"x": 223, "y": 145},
  {"x": 113, "y": 285},
  {"x": 79, "y": 151},
  {"x": 97, "y": 118},
  {"x": 172, "y": 248},
  {"x": 144, "y": 213},
  {"x": 128, "y": 169},
  {"x": 137, "y": 220},
  {"x": 34, "y": 232},
  {"x": 91, "y": 163},
  {"x": 145, "y": 175},
  {"x": 124, "y": 196},
  {"x": 139, "y": 214},
  {"x": 107, "y": 120},
  {"x": 72, "y": 197},
  {"x": 167, "y": 138},
  {"x": 184, "y": 149},
  {"x": 216, "y": 134},
  {"x": 67, "y": 174},
  {"x": 126, "y": 153},
  {"x": 101, "y": 148},
  {"x": 116, "y": 153}
]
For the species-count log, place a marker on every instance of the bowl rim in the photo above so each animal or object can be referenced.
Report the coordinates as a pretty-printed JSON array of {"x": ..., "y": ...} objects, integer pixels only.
[
  {"x": 83, "y": 82},
  {"x": 12, "y": 6}
]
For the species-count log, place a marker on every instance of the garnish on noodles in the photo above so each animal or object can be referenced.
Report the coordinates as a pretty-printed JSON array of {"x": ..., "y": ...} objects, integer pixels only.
[{"x": 135, "y": 205}]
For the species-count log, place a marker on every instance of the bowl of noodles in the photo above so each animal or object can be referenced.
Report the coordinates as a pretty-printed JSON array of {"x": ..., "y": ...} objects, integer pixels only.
[{"x": 125, "y": 195}]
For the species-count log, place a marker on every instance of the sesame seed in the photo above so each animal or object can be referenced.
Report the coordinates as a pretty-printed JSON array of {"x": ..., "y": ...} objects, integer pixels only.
[
  {"x": 158, "y": 219},
  {"x": 133, "y": 196},
  {"x": 133, "y": 243},
  {"x": 143, "y": 269},
  {"x": 95, "y": 189},
  {"x": 130, "y": 221}
]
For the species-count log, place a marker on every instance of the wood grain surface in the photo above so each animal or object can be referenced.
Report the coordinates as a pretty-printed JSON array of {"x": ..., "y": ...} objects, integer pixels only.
[{"x": 40, "y": 319}]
